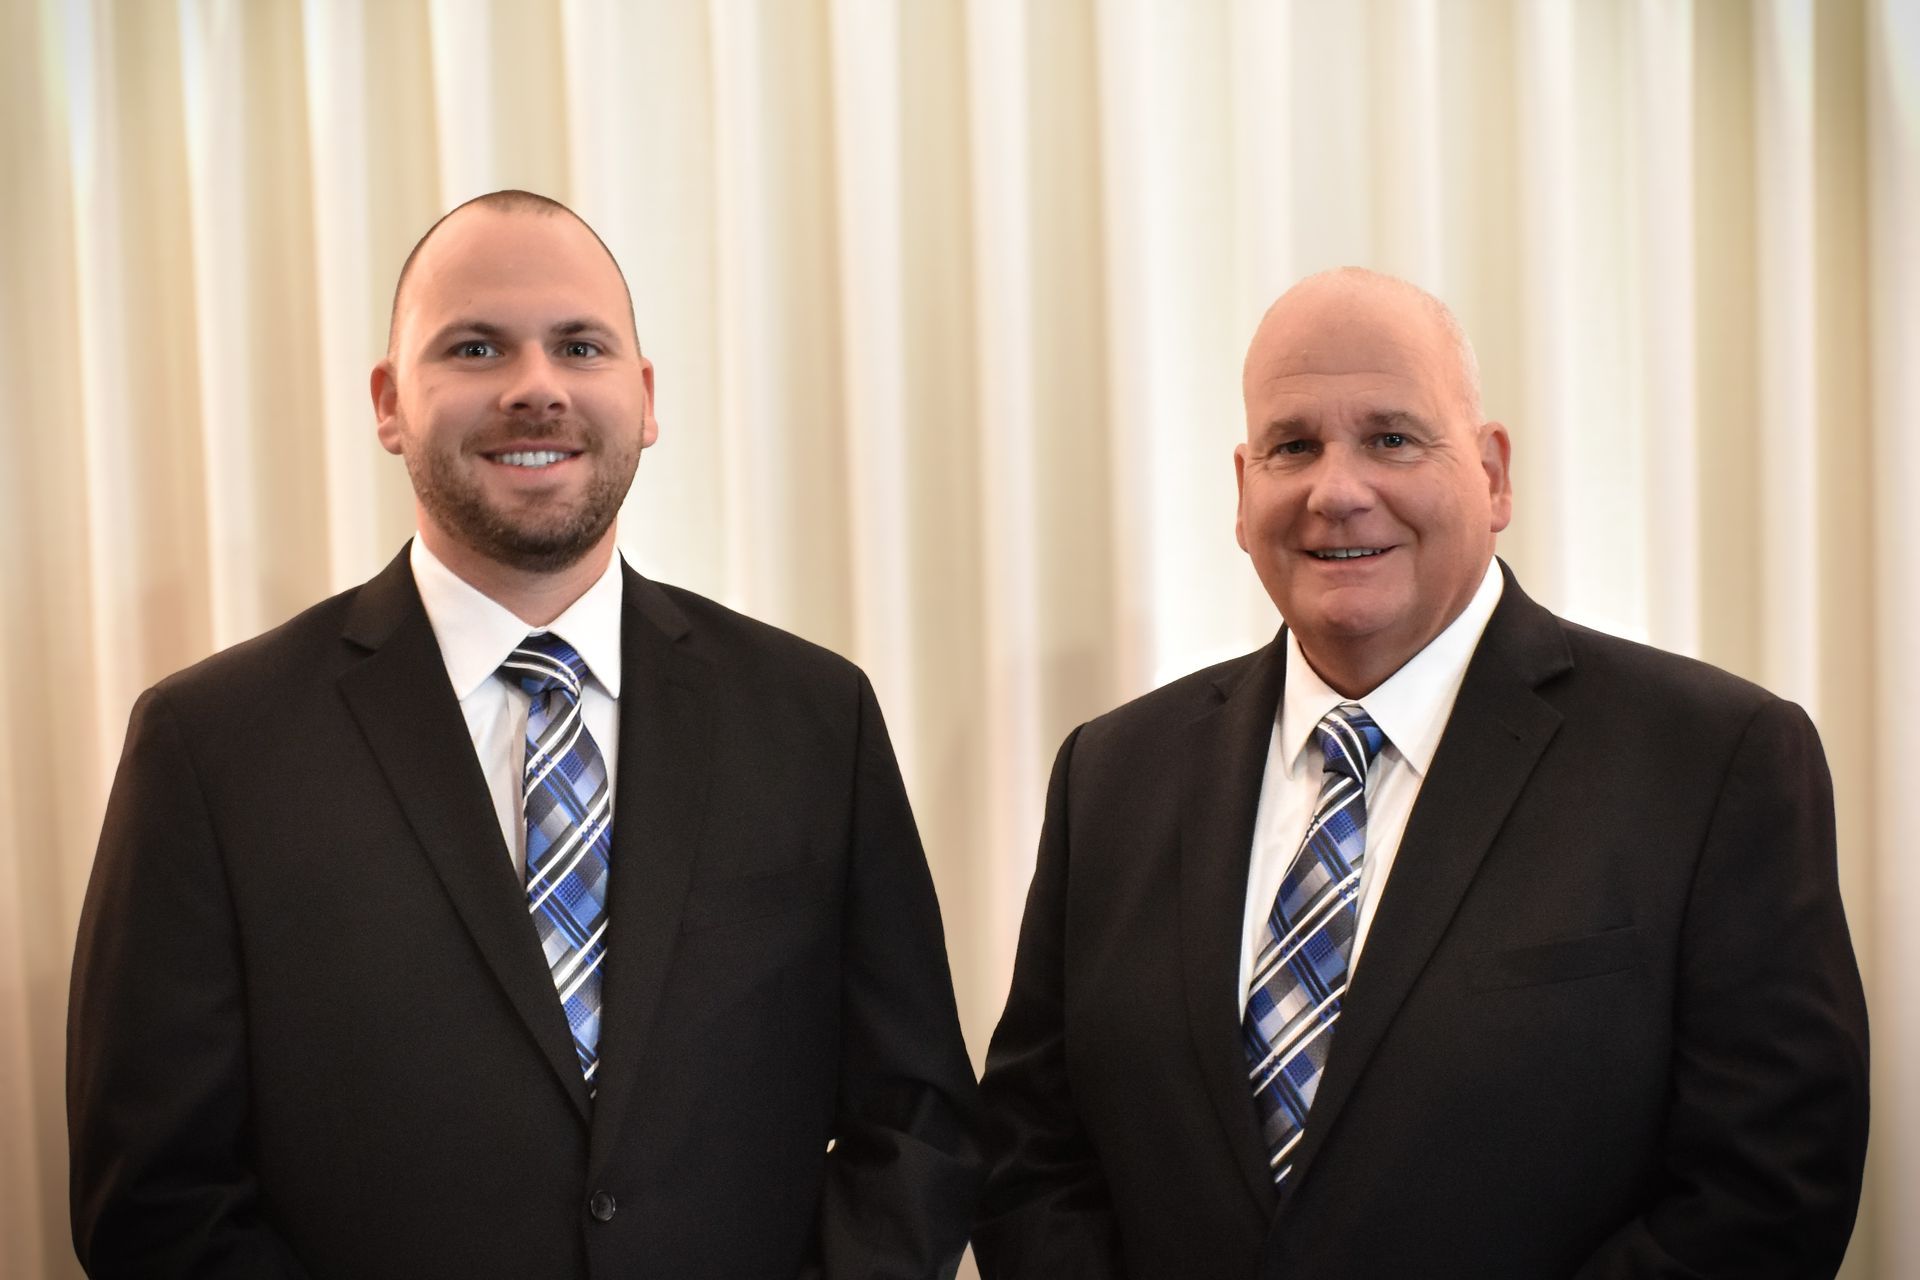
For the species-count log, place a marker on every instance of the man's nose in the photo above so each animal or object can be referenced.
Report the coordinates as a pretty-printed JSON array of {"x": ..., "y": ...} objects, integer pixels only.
[
  {"x": 536, "y": 389},
  {"x": 1340, "y": 487}
]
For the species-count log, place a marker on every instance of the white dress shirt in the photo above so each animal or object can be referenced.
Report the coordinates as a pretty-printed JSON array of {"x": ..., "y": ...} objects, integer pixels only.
[
  {"x": 1411, "y": 707},
  {"x": 476, "y": 633}
]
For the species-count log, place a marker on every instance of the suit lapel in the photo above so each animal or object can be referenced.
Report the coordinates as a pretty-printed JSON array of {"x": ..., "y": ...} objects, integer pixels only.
[
  {"x": 405, "y": 708},
  {"x": 1495, "y": 736},
  {"x": 1226, "y": 754},
  {"x": 659, "y": 808}
]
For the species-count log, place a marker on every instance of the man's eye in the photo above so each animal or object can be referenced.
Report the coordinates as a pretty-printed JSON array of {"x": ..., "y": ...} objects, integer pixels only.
[
  {"x": 582, "y": 350},
  {"x": 1392, "y": 440},
  {"x": 473, "y": 350},
  {"x": 1292, "y": 448}
]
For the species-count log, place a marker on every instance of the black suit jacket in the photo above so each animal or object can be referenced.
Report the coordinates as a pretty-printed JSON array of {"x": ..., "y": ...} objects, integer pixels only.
[
  {"x": 1607, "y": 1022},
  {"x": 312, "y": 1033}
]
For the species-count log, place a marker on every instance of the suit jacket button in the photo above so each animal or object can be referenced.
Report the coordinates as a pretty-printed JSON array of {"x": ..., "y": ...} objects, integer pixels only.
[{"x": 601, "y": 1206}]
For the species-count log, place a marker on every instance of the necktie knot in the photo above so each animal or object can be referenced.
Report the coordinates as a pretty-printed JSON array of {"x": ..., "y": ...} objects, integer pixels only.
[
  {"x": 1349, "y": 740},
  {"x": 544, "y": 662}
]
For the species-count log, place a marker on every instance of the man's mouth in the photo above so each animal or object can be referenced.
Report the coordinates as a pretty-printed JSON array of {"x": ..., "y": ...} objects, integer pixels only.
[
  {"x": 1346, "y": 553},
  {"x": 530, "y": 457}
]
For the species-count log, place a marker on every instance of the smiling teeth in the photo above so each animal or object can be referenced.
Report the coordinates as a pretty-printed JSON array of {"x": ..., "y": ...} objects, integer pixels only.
[
  {"x": 531, "y": 458},
  {"x": 1346, "y": 553}
]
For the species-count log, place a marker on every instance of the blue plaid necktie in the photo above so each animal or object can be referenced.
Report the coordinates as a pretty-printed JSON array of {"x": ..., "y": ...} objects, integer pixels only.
[
  {"x": 569, "y": 816},
  {"x": 1301, "y": 972}
]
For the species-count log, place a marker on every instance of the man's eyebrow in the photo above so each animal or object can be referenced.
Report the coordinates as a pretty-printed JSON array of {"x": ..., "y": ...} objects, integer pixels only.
[
  {"x": 477, "y": 328},
  {"x": 608, "y": 334},
  {"x": 1392, "y": 419},
  {"x": 1292, "y": 424}
]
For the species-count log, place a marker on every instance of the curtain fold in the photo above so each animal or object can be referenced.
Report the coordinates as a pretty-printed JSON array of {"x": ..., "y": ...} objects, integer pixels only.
[{"x": 948, "y": 302}]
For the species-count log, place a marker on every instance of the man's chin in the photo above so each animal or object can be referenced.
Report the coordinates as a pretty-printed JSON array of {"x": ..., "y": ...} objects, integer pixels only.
[
  {"x": 532, "y": 549},
  {"x": 542, "y": 532},
  {"x": 1344, "y": 615},
  {"x": 543, "y": 555},
  {"x": 1348, "y": 629},
  {"x": 535, "y": 561}
]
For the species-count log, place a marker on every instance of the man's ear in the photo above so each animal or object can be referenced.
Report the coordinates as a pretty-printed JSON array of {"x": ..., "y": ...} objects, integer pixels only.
[
  {"x": 1240, "y": 492},
  {"x": 1496, "y": 455},
  {"x": 649, "y": 425},
  {"x": 386, "y": 405}
]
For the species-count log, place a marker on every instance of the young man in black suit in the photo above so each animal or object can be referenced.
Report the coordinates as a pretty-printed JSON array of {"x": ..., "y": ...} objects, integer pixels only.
[
  {"x": 1441, "y": 937},
  {"x": 512, "y": 915}
]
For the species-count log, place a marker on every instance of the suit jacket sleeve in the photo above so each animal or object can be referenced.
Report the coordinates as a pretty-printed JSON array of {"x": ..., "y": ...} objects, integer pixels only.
[
  {"x": 1046, "y": 1213},
  {"x": 1767, "y": 1127},
  {"x": 157, "y": 1089},
  {"x": 904, "y": 1170}
]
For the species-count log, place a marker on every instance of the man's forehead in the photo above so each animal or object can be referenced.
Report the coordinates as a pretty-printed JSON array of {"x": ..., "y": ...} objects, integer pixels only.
[
  {"x": 1322, "y": 356},
  {"x": 1343, "y": 402},
  {"x": 1368, "y": 365},
  {"x": 480, "y": 245},
  {"x": 510, "y": 267},
  {"x": 1334, "y": 337}
]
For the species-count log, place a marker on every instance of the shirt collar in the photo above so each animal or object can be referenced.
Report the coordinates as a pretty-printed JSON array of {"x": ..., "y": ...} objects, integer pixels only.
[
  {"x": 1412, "y": 705},
  {"x": 477, "y": 632}
]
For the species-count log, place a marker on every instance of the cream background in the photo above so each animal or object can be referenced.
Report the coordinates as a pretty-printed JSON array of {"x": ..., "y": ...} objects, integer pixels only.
[{"x": 948, "y": 299}]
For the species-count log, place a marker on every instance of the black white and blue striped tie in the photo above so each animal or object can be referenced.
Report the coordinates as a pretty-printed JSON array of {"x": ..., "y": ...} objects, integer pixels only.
[
  {"x": 569, "y": 820},
  {"x": 1301, "y": 972}
]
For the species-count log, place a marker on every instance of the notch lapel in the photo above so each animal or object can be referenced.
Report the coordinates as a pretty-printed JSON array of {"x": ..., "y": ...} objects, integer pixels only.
[
  {"x": 1495, "y": 736},
  {"x": 1226, "y": 753},
  {"x": 400, "y": 697},
  {"x": 659, "y": 811}
]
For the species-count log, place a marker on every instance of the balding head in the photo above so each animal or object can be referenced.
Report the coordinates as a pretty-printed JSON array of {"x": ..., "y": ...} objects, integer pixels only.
[
  {"x": 1339, "y": 300},
  {"x": 509, "y": 201}
]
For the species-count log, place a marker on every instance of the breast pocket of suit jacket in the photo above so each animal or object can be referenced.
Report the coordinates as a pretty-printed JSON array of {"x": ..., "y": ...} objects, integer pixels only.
[
  {"x": 766, "y": 941},
  {"x": 804, "y": 890},
  {"x": 1583, "y": 1008},
  {"x": 1557, "y": 961}
]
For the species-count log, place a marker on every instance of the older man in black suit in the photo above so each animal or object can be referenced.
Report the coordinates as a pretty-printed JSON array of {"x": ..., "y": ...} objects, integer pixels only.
[
  {"x": 512, "y": 915},
  {"x": 1440, "y": 937}
]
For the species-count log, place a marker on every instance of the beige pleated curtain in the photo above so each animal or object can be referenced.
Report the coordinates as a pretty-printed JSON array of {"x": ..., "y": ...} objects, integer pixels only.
[{"x": 948, "y": 299}]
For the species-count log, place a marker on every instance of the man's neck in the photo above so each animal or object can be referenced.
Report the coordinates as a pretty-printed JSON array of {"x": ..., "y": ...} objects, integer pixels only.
[
  {"x": 1350, "y": 680},
  {"x": 1360, "y": 668},
  {"x": 1357, "y": 667},
  {"x": 536, "y": 598}
]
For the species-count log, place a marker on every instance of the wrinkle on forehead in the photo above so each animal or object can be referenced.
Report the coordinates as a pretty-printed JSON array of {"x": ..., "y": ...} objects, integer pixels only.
[{"x": 1329, "y": 359}]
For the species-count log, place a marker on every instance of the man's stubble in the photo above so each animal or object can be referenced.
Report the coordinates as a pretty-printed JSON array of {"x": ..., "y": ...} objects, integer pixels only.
[{"x": 536, "y": 539}]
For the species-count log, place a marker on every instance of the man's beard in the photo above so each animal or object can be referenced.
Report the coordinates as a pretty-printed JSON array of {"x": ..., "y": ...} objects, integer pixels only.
[{"x": 534, "y": 540}]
